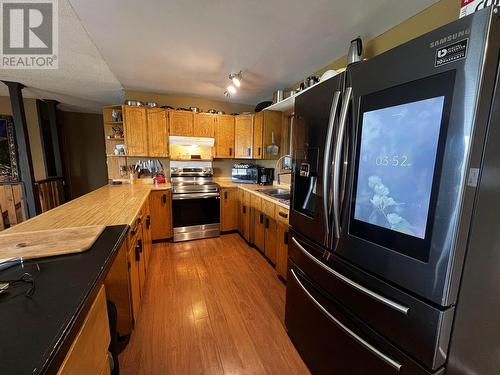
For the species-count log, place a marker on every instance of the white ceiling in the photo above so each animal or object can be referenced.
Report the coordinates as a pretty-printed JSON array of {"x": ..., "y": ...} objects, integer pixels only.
[{"x": 190, "y": 46}]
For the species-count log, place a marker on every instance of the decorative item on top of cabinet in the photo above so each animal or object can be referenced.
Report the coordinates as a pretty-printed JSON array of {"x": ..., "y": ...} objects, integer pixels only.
[
  {"x": 269, "y": 124},
  {"x": 243, "y": 136},
  {"x": 161, "y": 214},
  {"x": 204, "y": 124},
  {"x": 135, "y": 131},
  {"x": 181, "y": 123},
  {"x": 224, "y": 136},
  {"x": 229, "y": 209},
  {"x": 157, "y": 132}
]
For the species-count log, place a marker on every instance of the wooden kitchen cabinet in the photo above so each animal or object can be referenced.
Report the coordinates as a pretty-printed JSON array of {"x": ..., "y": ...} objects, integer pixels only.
[
  {"x": 243, "y": 136},
  {"x": 146, "y": 231},
  {"x": 229, "y": 209},
  {"x": 245, "y": 215},
  {"x": 271, "y": 236},
  {"x": 224, "y": 136},
  {"x": 181, "y": 123},
  {"x": 161, "y": 214},
  {"x": 267, "y": 124},
  {"x": 157, "y": 132},
  {"x": 282, "y": 250},
  {"x": 135, "y": 131},
  {"x": 258, "y": 128},
  {"x": 204, "y": 124}
]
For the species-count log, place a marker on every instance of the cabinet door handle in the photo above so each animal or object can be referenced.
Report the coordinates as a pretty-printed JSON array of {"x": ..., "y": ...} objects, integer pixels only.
[
  {"x": 148, "y": 221},
  {"x": 261, "y": 219},
  {"x": 244, "y": 209},
  {"x": 137, "y": 253},
  {"x": 230, "y": 151},
  {"x": 285, "y": 238},
  {"x": 258, "y": 152},
  {"x": 164, "y": 199},
  {"x": 267, "y": 223},
  {"x": 282, "y": 214},
  {"x": 225, "y": 195},
  {"x": 139, "y": 243},
  {"x": 249, "y": 151}
]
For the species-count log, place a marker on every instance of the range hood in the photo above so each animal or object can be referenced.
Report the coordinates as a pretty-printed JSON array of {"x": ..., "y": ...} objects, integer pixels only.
[{"x": 191, "y": 141}]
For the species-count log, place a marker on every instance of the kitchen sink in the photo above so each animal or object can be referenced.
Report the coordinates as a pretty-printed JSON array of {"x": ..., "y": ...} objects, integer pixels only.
[{"x": 282, "y": 195}]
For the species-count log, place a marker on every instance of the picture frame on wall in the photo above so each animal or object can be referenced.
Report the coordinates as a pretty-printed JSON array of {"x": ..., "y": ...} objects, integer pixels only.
[{"x": 8, "y": 151}]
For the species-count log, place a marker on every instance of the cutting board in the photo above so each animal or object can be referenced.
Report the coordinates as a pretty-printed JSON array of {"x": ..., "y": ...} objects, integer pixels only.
[{"x": 48, "y": 243}]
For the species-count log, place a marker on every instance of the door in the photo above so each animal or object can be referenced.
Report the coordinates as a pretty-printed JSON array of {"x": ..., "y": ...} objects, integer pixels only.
[
  {"x": 416, "y": 140},
  {"x": 204, "y": 124},
  {"x": 136, "y": 131},
  {"x": 314, "y": 135},
  {"x": 181, "y": 123},
  {"x": 243, "y": 136},
  {"x": 161, "y": 215},
  {"x": 224, "y": 136},
  {"x": 229, "y": 209},
  {"x": 282, "y": 251},
  {"x": 157, "y": 132},
  {"x": 258, "y": 130},
  {"x": 271, "y": 239}
]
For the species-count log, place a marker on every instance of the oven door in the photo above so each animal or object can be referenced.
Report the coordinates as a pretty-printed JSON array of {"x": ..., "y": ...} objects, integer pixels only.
[
  {"x": 418, "y": 134},
  {"x": 195, "y": 215}
]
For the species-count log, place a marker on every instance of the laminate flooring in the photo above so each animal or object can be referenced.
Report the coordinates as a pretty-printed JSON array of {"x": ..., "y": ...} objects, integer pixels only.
[{"x": 212, "y": 306}]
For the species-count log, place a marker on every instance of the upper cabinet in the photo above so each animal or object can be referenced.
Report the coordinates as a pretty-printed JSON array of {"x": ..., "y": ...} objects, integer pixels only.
[
  {"x": 136, "y": 131},
  {"x": 224, "y": 136},
  {"x": 243, "y": 136},
  {"x": 204, "y": 124},
  {"x": 157, "y": 132},
  {"x": 267, "y": 135},
  {"x": 181, "y": 123}
]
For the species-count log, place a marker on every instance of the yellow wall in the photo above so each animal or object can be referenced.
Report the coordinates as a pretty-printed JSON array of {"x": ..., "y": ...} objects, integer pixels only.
[
  {"x": 33, "y": 133},
  {"x": 439, "y": 14},
  {"x": 184, "y": 102}
]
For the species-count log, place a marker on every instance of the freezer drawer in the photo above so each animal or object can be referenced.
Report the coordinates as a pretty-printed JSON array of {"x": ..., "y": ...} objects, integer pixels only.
[
  {"x": 332, "y": 341},
  {"x": 418, "y": 328}
]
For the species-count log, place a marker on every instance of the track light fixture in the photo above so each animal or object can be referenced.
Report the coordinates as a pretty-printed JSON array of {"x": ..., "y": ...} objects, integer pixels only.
[{"x": 235, "y": 83}]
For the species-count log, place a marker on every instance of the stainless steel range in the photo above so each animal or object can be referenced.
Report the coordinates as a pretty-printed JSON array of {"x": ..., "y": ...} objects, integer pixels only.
[{"x": 195, "y": 202}]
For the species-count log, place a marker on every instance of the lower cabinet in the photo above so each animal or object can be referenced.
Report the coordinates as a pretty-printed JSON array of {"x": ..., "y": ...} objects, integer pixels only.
[
  {"x": 244, "y": 215},
  {"x": 228, "y": 209},
  {"x": 282, "y": 250},
  {"x": 160, "y": 214},
  {"x": 271, "y": 235},
  {"x": 88, "y": 353}
]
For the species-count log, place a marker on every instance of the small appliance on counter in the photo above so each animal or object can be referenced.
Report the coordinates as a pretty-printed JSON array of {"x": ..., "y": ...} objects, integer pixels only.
[
  {"x": 245, "y": 173},
  {"x": 266, "y": 176}
]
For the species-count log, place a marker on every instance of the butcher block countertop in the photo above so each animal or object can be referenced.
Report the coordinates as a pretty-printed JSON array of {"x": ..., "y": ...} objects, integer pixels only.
[{"x": 108, "y": 205}]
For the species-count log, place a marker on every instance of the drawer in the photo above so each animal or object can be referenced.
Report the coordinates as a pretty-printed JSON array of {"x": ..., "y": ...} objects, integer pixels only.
[
  {"x": 282, "y": 214},
  {"x": 268, "y": 208},
  {"x": 256, "y": 202},
  {"x": 331, "y": 340},
  {"x": 419, "y": 328},
  {"x": 88, "y": 353}
]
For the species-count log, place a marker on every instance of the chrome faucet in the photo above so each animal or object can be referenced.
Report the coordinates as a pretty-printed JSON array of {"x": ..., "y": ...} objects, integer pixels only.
[{"x": 277, "y": 168}]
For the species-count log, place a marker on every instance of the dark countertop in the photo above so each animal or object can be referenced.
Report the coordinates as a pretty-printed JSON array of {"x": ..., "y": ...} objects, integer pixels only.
[{"x": 36, "y": 332}]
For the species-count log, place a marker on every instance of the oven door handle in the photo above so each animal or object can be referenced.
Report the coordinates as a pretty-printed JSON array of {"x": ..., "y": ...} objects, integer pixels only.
[
  {"x": 386, "y": 301},
  {"x": 391, "y": 362},
  {"x": 177, "y": 197}
]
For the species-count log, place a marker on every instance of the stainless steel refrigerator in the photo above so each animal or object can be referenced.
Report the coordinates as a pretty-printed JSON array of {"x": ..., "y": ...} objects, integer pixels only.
[{"x": 394, "y": 256}]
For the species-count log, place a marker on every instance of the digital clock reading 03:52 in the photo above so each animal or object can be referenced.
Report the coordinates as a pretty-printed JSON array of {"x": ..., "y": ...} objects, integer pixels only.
[{"x": 393, "y": 161}]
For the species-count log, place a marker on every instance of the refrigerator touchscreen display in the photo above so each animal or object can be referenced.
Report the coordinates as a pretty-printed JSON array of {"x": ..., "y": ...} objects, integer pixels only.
[{"x": 397, "y": 159}]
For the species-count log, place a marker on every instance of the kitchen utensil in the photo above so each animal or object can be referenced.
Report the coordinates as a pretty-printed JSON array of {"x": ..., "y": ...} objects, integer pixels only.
[
  {"x": 152, "y": 104},
  {"x": 135, "y": 103},
  {"x": 355, "y": 53},
  {"x": 259, "y": 107},
  {"x": 46, "y": 243},
  {"x": 194, "y": 109},
  {"x": 273, "y": 148},
  {"x": 278, "y": 96}
]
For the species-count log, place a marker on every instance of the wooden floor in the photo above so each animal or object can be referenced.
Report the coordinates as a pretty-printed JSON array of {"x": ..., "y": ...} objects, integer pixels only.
[{"x": 212, "y": 306}]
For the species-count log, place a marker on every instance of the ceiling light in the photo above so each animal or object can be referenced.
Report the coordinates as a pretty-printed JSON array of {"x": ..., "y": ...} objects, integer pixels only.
[
  {"x": 227, "y": 94},
  {"x": 231, "y": 89},
  {"x": 236, "y": 78}
]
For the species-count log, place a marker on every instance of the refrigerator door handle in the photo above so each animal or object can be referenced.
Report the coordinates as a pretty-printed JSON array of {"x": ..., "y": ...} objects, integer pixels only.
[
  {"x": 393, "y": 305},
  {"x": 391, "y": 362},
  {"x": 337, "y": 160},
  {"x": 327, "y": 160}
]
